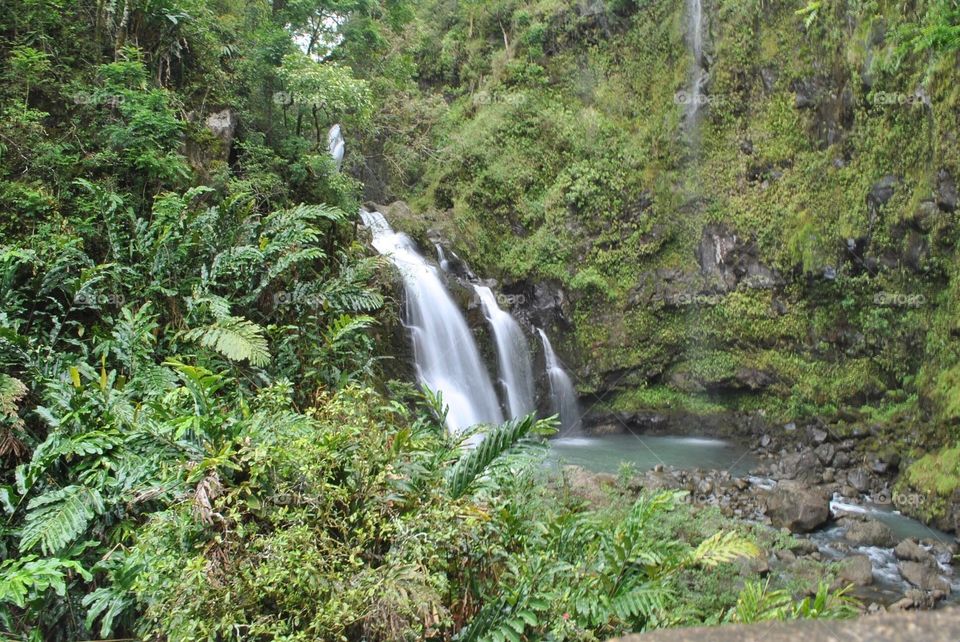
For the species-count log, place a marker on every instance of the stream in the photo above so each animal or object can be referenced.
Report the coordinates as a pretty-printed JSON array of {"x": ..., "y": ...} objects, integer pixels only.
[{"x": 606, "y": 454}]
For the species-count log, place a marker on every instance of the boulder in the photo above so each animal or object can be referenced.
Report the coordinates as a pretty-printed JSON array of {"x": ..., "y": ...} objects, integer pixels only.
[
  {"x": 925, "y": 576},
  {"x": 825, "y": 453},
  {"x": 868, "y": 532},
  {"x": 859, "y": 479},
  {"x": 803, "y": 465},
  {"x": 857, "y": 570},
  {"x": 881, "y": 191},
  {"x": 796, "y": 507},
  {"x": 802, "y": 546},
  {"x": 223, "y": 125},
  {"x": 593, "y": 488},
  {"x": 727, "y": 259},
  {"x": 946, "y": 191},
  {"x": 909, "y": 550}
]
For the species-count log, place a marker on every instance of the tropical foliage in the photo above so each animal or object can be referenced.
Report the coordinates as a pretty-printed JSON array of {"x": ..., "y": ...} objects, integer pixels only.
[{"x": 198, "y": 437}]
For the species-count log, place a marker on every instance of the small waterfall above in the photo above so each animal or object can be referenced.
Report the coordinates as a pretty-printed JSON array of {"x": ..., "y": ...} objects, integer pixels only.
[
  {"x": 442, "y": 258},
  {"x": 694, "y": 96},
  {"x": 336, "y": 145},
  {"x": 564, "y": 395},
  {"x": 446, "y": 355},
  {"x": 513, "y": 355}
]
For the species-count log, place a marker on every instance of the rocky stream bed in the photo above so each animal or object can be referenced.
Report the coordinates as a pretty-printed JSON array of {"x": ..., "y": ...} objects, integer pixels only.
[{"x": 835, "y": 500}]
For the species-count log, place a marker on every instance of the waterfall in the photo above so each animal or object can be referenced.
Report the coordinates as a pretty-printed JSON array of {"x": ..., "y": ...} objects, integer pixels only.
[
  {"x": 442, "y": 258},
  {"x": 446, "y": 355},
  {"x": 563, "y": 394},
  {"x": 694, "y": 97},
  {"x": 513, "y": 355},
  {"x": 336, "y": 145}
]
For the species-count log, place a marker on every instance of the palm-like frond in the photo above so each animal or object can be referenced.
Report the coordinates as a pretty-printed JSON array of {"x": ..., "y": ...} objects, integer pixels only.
[
  {"x": 236, "y": 338},
  {"x": 495, "y": 443},
  {"x": 58, "y": 517},
  {"x": 722, "y": 547}
]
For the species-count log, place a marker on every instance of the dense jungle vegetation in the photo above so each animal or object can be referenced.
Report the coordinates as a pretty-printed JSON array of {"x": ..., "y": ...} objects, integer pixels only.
[{"x": 199, "y": 433}]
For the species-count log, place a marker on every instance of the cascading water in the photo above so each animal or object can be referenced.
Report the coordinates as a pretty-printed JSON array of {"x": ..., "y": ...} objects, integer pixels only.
[
  {"x": 442, "y": 258},
  {"x": 336, "y": 145},
  {"x": 694, "y": 96},
  {"x": 513, "y": 355},
  {"x": 446, "y": 355},
  {"x": 561, "y": 389}
]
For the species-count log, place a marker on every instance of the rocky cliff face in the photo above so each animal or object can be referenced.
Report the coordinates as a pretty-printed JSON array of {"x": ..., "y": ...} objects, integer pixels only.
[{"x": 792, "y": 252}]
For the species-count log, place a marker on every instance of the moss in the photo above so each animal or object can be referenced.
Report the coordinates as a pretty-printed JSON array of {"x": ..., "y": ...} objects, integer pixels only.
[
  {"x": 932, "y": 480},
  {"x": 577, "y": 168}
]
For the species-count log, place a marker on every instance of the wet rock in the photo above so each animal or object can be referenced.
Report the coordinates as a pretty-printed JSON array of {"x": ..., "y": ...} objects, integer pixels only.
[
  {"x": 803, "y": 465},
  {"x": 825, "y": 453},
  {"x": 593, "y": 488},
  {"x": 925, "y": 576},
  {"x": 726, "y": 259},
  {"x": 819, "y": 435},
  {"x": 807, "y": 92},
  {"x": 223, "y": 125},
  {"x": 909, "y": 550},
  {"x": 786, "y": 556},
  {"x": 946, "y": 191},
  {"x": 803, "y": 546},
  {"x": 881, "y": 191},
  {"x": 857, "y": 570},
  {"x": 754, "y": 565},
  {"x": 841, "y": 460},
  {"x": 916, "y": 250},
  {"x": 796, "y": 507},
  {"x": 891, "y": 458},
  {"x": 859, "y": 479},
  {"x": 868, "y": 532},
  {"x": 902, "y": 604},
  {"x": 926, "y": 216}
]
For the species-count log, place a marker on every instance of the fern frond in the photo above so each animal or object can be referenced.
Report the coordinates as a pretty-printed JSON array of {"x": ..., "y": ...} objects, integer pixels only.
[
  {"x": 28, "y": 577},
  {"x": 11, "y": 392},
  {"x": 757, "y": 603},
  {"x": 495, "y": 443},
  {"x": 723, "y": 547},
  {"x": 345, "y": 326},
  {"x": 236, "y": 338},
  {"x": 643, "y": 601},
  {"x": 56, "y": 518}
]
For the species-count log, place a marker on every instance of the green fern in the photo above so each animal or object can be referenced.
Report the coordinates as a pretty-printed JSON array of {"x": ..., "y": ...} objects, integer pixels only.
[
  {"x": 721, "y": 548},
  {"x": 58, "y": 517},
  {"x": 757, "y": 602},
  {"x": 28, "y": 577},
  {"x": 828, "y": 604},
  {"x": 642, "y": 601},
  {"x": 495, "y": 443},
  {"x": 235, "y": 338}
]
